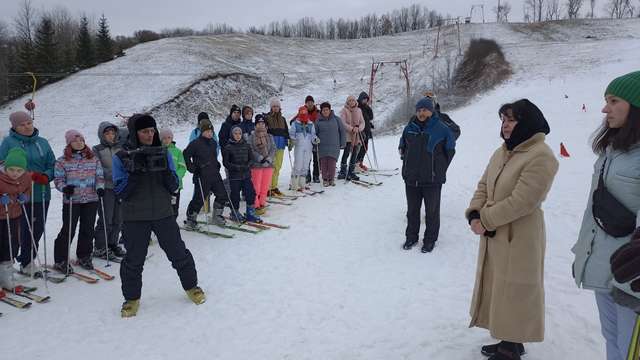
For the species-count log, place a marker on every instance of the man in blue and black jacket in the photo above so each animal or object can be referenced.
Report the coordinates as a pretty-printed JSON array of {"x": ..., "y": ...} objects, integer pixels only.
[
  {"x": 144, "y": 178},
  {"x": 426, "y": 148}
]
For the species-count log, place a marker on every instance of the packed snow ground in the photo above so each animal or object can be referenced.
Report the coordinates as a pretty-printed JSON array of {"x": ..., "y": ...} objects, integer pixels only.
[{"x": 337, "y": 285}]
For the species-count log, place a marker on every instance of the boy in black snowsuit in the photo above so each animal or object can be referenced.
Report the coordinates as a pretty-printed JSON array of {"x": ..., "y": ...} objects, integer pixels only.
[
  {"x": 426, "y": 147},
  {"x": 202, "y": 162},
  {"x": 145, "y": 179},
  {"x": 237, "y": 157}
]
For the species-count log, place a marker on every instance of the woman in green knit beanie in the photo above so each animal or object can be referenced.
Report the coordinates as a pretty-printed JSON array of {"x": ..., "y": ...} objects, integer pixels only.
[{"x": 617, "y": 144}]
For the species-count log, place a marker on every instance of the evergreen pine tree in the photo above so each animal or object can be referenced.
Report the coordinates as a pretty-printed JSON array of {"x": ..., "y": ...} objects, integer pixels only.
[
  {"x": 104, "y": 45},
  {"x": 46, "y": 59},
  {"x": 84, "y": 45}
]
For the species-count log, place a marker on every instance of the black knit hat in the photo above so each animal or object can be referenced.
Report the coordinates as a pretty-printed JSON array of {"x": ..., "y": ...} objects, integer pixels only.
[
  {"x": 145, "y": 121},
  {"x": 260, "y": 119},
  {"x": 234, "y": 108},
  {"x": 325, "y": 105},
  {"x": 309, "y": 98},
  {"x": 203, "y": 115}
]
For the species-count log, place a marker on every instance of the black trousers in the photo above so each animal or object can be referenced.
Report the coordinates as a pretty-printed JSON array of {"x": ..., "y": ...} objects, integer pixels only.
[
  {"x": 39, "y": 216},
  {"x": 246, "y": 186},
  {"x": 112, "y": 218},
  {"x": 210, "y": 184},
  {"x": 137, "y": 235},
  {"x": 416, "y": 195},
  {"x": 86, "y": 214},
  {"x": 363, "y": 148},
  {"x": 4, "y": 239},
  {"x": 349, "y": 150}
]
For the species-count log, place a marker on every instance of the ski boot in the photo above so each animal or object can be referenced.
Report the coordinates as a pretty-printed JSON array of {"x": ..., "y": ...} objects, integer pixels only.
[
  {"x": 276, "y": 192},
  {"x": 333, "y": 182},
  {"x": 130, "y": 308},
  {"x": 63, "y": 267},
  {"x": 32, "y": 268},
  {"x": 252, "y": 216},
  {"x": 117, "y": 251},
  {"x": 86, "y": 263},
  {"x": 352, "y": 175},
  {"x": 216, "y": 217},
  {"x": 326, "y": 183},
  {"x": 237, "y": 217},
  {"x": 196, "y": 295},
  {"x": 261, "y": 210},
  {"x": 343, "y": 172},
  {"x": 192, "y": 221}
]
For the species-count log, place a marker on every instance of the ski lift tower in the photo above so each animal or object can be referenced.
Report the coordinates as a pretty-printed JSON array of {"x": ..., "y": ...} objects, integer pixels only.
[{"x": 473, "y": 7}]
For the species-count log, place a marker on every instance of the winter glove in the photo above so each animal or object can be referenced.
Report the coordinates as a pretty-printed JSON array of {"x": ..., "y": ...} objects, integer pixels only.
[
  {"x": 625, "y": 263},
  {"x": 69, "y": 190},
  {"x": 401, "y": 153},
  {"x": 5, "y": 200},
  {"x": 290, "y": 144},
  {"x": 40, "y": 178},
  {"x": 315, "y": 141},
  {"x": 100, "y": 192},
  {"x": 23, "y": 198}
]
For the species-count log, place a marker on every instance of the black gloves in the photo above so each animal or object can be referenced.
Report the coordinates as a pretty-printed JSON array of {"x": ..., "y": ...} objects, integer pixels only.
[
  {"x": 100, "y": 192},
  {"x": 625, "y": 262},
  {"x": 69, "y": 190}
]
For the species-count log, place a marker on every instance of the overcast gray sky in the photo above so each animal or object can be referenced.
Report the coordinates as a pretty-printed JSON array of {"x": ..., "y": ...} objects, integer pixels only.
[{"x": 126, "y": 16}]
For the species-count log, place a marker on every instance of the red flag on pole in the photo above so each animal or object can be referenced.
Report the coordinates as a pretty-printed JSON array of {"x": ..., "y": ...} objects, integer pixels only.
[{"x": 563, "y": 151}]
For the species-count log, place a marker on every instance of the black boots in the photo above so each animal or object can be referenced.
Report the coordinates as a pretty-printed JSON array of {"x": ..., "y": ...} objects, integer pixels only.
[
  {"x": 504, "y": 350},
  {"x": 343, "y": 172},
  {"x": 427, "y": 247},
  {"x": 409, "y": 244}
]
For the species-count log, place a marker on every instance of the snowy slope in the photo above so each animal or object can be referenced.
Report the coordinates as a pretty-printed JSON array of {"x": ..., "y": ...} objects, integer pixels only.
[{"x": 337, "y": 284}]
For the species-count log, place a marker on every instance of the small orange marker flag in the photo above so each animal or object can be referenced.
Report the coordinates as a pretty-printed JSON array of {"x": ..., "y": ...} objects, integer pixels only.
[{"x": 563, "y": 151}]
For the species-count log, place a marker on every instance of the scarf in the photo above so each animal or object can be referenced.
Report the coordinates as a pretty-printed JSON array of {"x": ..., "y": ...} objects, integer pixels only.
[{"x": 86, "y": 152}]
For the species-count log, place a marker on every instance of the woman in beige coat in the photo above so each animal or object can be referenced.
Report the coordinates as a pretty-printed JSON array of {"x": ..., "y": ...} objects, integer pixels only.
[{"x": 508, "y": 298}]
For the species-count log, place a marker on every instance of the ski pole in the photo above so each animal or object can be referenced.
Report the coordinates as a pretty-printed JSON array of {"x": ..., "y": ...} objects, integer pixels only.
[
  {"x": 33, "y": 245},
  {"x": 104, "y": 225},
  {"x": 45, "y": 271},
  {"x": 233, "y": 208},
  {"x": 70, "y": 232},
  {"x": 13, "y": 280},
  {"x": 33, "y": 241},
  {"x": 373, "y": 147},
  {"x": 203, "y": 200},
  {"x": 634, "y": 346},
  {"x": 368, "y": 158}
]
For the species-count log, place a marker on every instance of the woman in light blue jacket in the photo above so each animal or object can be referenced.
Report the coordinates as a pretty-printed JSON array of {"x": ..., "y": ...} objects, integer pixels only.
[{"x": 617, "y": 144}]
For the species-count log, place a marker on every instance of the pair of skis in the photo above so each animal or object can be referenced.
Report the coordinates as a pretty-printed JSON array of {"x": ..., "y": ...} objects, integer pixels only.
[
  {"x": 367, "y": 184},
  {"x": 23, "y": 291}
]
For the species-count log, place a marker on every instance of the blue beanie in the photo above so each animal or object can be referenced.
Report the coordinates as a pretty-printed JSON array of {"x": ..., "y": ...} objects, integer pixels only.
[{"x": 424, "y": 103}]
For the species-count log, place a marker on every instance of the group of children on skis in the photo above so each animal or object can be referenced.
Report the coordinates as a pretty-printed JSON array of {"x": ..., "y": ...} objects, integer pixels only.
[{"x": 252, "y": 151}]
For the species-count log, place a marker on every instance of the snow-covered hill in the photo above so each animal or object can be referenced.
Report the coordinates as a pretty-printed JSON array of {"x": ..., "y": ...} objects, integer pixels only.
[{"x": 337, "y": 284}]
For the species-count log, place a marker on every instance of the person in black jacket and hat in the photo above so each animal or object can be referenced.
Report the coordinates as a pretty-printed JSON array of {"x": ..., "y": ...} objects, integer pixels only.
[
  {"x": 367, "y": 114},
  {"x": 144, "y": 180},
  {"x": 201, "y": 160},
  {"x": 426, "y": 147}
]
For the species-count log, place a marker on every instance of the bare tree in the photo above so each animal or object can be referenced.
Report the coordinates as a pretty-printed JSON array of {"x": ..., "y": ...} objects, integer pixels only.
[
  {"x": 553, "y": 10},
  {"x": 24, "y": 22},
  {"x": 573, "y": 8},
  {"x": 620, "y": 8},
  {"x": 502, "y": 11}
]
